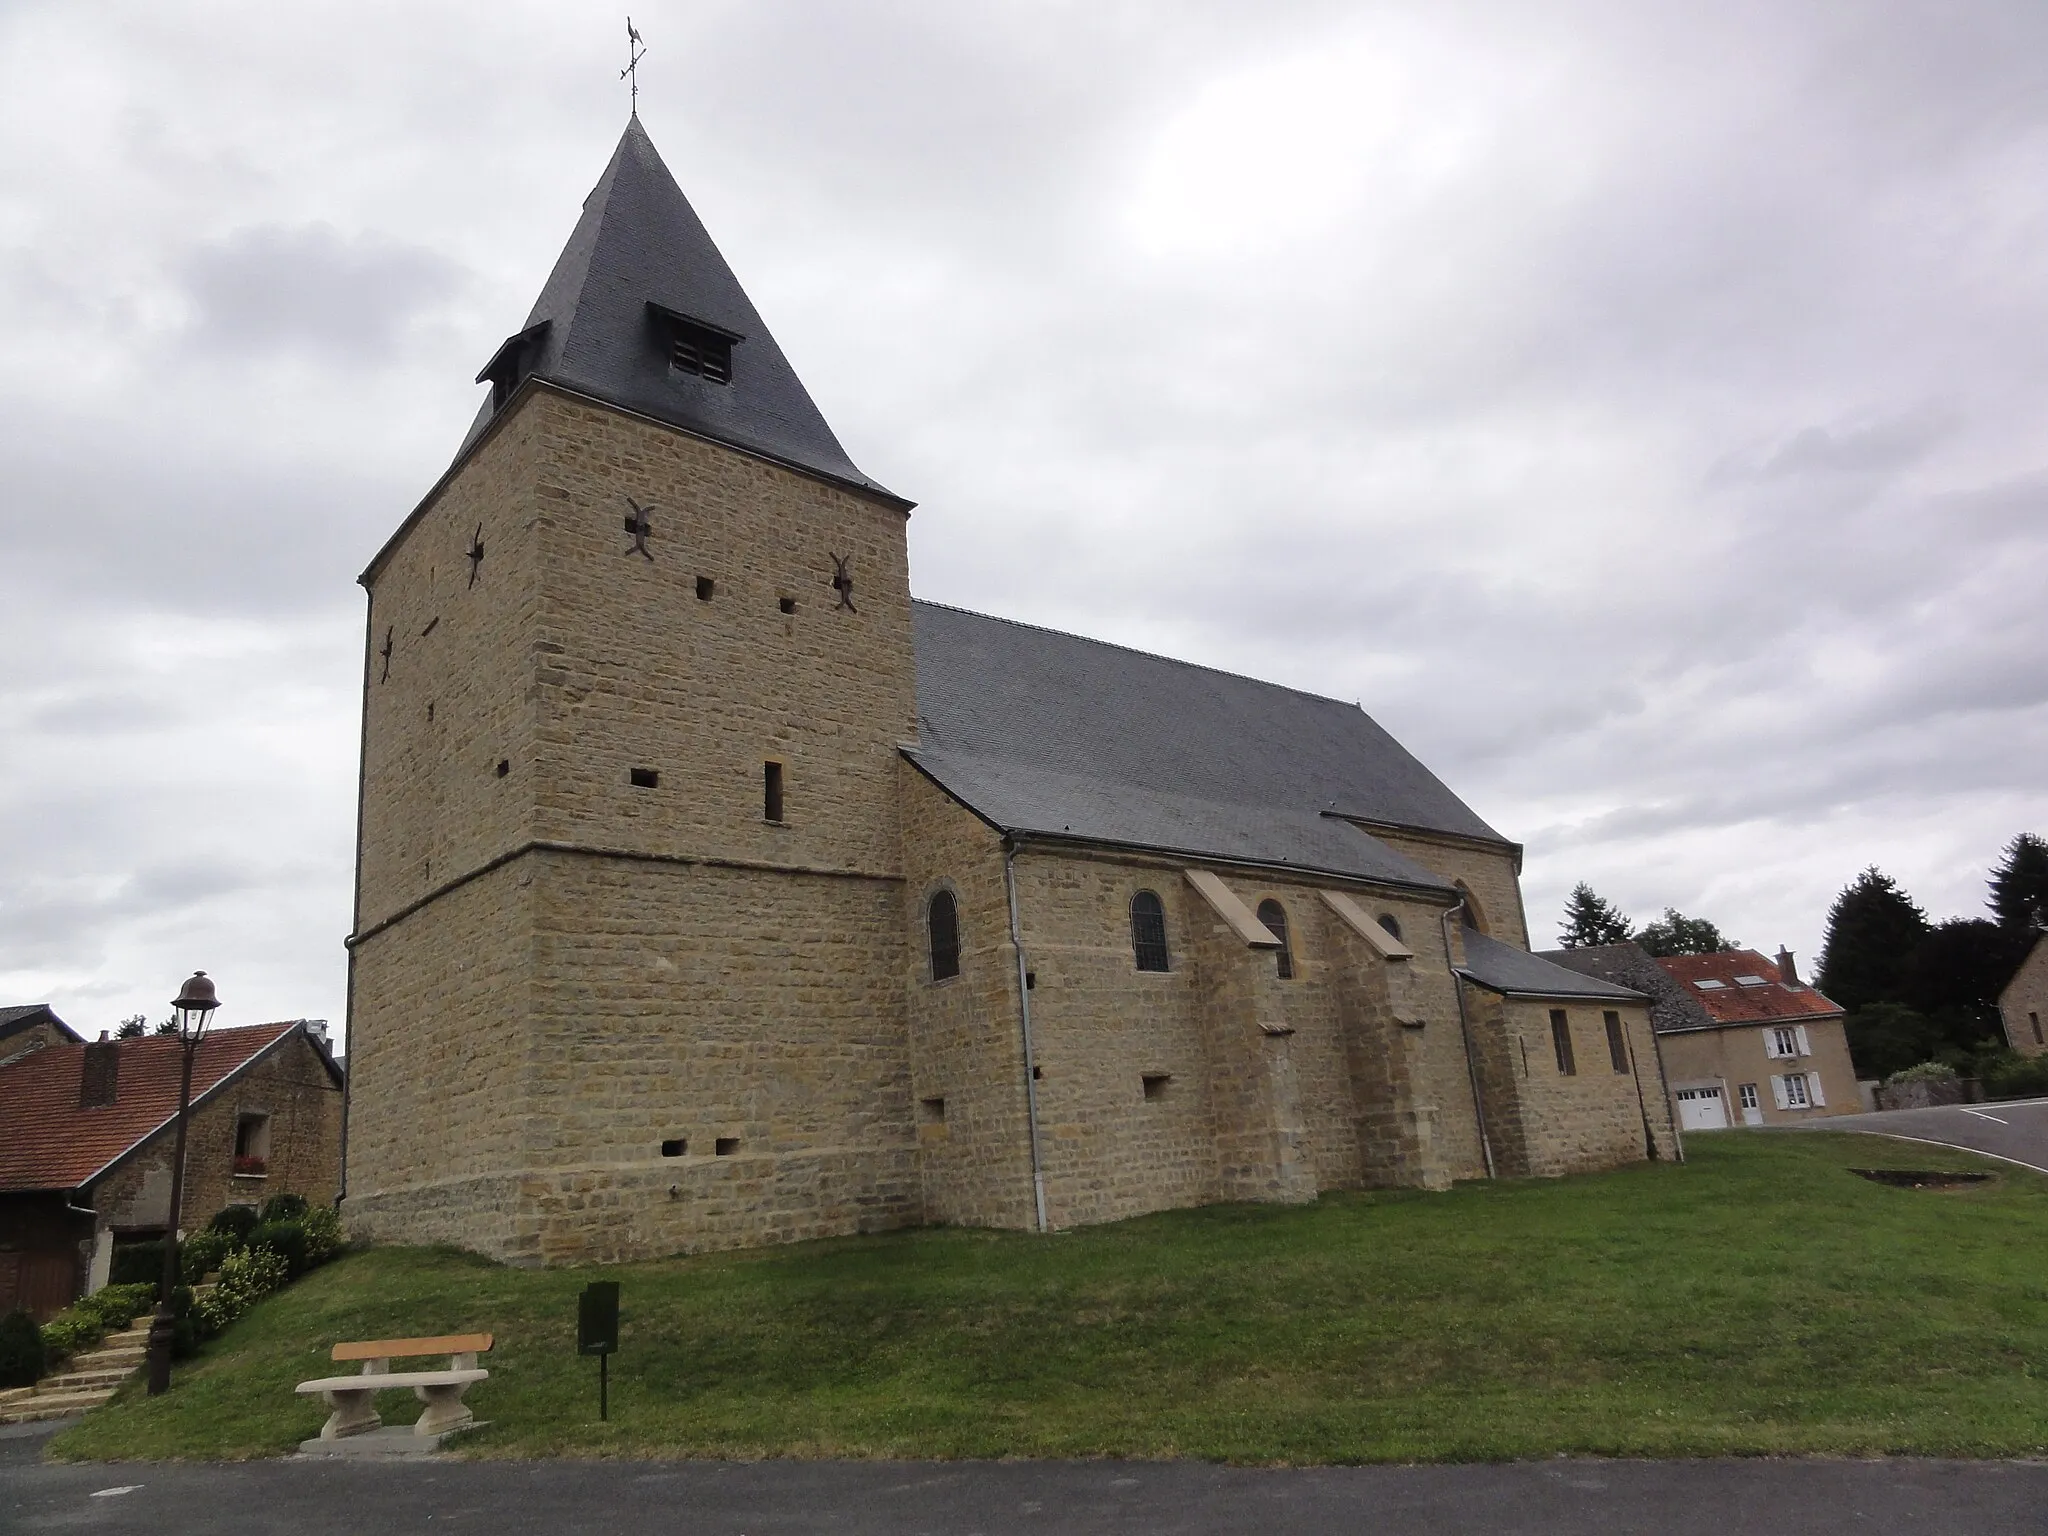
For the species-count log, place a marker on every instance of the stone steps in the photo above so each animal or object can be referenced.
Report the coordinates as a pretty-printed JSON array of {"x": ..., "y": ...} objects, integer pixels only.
[{"x": 85, "y": 1381}]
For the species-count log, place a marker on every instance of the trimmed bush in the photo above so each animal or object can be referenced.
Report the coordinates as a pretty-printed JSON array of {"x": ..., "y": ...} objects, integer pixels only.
[
  {"x": 71, "y": 1332},
  {"x": 116, "y": 1306},
  {"x": 21, "y": 1351},
  {"x": 137, "y": 1264},
  {"x": 286, "y": 1207},
  {"x": 286, "y": 1239},
  {"x": 1924, "y": 1072},
  {"x": 323, "y": 1234},
  {"x": 245, "y": 1279},
  {"x": 2016, "y": 1077},
  {"x": 200, "y": 1254},
  {"x": 237, "y": 1221}
]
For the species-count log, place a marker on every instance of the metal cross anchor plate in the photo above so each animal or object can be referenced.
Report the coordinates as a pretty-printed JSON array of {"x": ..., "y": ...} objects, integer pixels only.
[
  {"x": 842, "y": 581},
  {"x": 640, "y": 526}
]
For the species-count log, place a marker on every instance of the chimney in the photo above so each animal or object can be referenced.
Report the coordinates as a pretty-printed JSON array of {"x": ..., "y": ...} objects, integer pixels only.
[
  {"x": 1787, "y": 971},
  {"x": 99, "y": 1077}
]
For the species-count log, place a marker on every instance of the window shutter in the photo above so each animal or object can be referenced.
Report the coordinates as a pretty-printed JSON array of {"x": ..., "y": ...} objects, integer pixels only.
[
  {"x": 1813, "y": 1090},
  {"x": 1804, "y": 1048},
  {"x": 1771, "y": 1043},
  {"x": 1778, "y": 1092}
]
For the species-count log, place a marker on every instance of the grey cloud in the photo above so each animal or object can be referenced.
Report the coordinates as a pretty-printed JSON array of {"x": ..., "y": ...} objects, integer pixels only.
[{"x": 279, "y": 288}]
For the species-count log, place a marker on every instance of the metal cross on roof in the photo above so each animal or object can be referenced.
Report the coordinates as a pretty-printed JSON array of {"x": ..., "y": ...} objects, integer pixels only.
[{"x": 635, "y": 52}]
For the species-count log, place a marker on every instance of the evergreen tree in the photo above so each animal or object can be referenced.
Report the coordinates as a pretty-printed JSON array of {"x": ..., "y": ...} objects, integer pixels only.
[
  {"x": 1591, "y": 919},
  {"x": 1676, "y": 934},
  {"x": 1873, "y": 929},
  {"x": 2019, "y": 885},
  {"x": 131, "y": 1027}
]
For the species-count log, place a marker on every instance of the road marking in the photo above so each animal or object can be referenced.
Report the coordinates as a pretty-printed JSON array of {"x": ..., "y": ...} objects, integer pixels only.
[
  {"x": 115, "y": 1493},
  {"x": 1982, "y": 1116}
]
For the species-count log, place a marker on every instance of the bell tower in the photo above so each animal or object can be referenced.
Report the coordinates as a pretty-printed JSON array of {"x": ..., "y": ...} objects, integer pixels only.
[{"x": 625, "y": 976}]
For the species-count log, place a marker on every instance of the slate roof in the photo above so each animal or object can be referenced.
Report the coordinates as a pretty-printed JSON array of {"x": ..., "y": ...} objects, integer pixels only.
[
  {"x": 1777, "y": 1001},
  {"x": 1673, "y": 1009},
  {"x": 1502, "y": 968},
  {"x": 1049, "y": 733},
  {"x": 27, "y": 1015},
  {"x": 50, "y": 1143},
  {"x": 639, "y": 242}
]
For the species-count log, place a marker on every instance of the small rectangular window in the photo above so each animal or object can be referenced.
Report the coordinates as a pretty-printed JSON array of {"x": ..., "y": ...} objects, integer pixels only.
[
  {"x": 771, "y": 791},
  {"x": 786, "y": 604},
  {"x": 644, "y": 778},
  {"x": 725, "y": 1146},
  {"x": 1561, "y": 1042},
  {"x": 504, "y": 766},
  {"x": 675, "y": 1146},
  {"x": 252, "y": 1145},
  {"x": 706, "y": 589},
  {"x": 1617, "y": 1047},
  {"x": 2035, "y": 1020},
  {"x": 1795, "y": 1091},
  {"x": 931, "y": 1111},
  {"x": 1154, "y": 1084}
]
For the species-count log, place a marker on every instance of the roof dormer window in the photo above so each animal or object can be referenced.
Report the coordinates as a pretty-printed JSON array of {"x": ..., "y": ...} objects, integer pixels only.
[
  {"x": 513, "y": 362},
  {"x": 696, "y": 347}
]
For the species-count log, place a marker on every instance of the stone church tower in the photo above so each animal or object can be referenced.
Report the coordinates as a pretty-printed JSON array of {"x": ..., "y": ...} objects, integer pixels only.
[{"x": 626, "y": 975}]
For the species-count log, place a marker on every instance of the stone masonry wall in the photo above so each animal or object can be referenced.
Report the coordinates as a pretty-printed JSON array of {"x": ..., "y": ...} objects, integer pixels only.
[
  {"x": 2024, "y": 1003},
  {"x": 967, "y": 1049},
  {"x": 1488, "y": 873},
  {"x": 1544, "y": 1122},
  {"x": 668, "y": 964}
]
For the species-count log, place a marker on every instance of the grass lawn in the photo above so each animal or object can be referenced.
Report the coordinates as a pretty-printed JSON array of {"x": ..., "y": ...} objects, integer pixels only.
[{"x": 1760, "y": 1300}]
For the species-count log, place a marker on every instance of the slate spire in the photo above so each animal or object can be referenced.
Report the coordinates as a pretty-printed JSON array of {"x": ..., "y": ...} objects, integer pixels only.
[{"x": 639, "y": 284}]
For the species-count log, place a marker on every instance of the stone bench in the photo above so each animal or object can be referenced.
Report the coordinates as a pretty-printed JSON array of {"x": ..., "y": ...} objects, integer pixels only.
[{"x": 353, "y": 1399}]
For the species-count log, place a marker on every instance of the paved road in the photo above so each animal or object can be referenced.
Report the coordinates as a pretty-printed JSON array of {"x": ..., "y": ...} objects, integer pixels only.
[
  {"x": 1615, "y": 1498},
  {"x": 2018, "y": 1130}
]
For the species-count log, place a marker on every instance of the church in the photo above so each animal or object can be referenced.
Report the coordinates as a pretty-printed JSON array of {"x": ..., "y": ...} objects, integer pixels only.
[{"x": 712, "y": 891}]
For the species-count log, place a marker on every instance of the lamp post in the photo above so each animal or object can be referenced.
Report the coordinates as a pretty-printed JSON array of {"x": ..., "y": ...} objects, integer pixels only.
[{"x": 191, "y": 1009}]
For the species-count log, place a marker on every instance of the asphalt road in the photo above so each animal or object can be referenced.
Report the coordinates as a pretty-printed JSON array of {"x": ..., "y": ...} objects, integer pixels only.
[
  {"x": 1615, "y": 1498},
  {"x": 2018, "y": 1131}
]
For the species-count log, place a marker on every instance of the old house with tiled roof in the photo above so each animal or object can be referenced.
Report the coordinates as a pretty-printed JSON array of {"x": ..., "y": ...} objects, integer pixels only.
[
  {"x": 712, "y": 891},
  {"x": 1745, "y": 1040},
  {"x": 86, "y": 1133},
  {"x": 30, "y": 1027}
]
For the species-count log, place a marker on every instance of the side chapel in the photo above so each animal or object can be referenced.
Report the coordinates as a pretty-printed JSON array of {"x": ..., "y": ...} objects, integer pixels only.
[{"x": 711, "y": 891}]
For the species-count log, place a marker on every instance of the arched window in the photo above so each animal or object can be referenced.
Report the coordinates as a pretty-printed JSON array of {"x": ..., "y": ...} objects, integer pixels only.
[
  {"x": 1391, "y": 923},
  {"x": 1469, "y": 914},
  {"x": 1148, "y": 931},
  {"x": 942, "y": 918},
  {"x": 1274, "y": 916}
]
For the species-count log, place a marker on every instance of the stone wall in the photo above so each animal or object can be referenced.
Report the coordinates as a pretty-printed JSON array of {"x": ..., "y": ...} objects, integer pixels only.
[
  {"x": 650, "y": 962},
  {"x": 2024, "y": 1003},
  {"x": 1546, "y": 1122},
  {"x": 1490, "y": 873},
  {"x": 38, "y": 1035}
]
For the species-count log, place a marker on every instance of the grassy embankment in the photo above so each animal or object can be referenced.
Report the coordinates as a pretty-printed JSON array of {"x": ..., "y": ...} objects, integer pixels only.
[{"x": 1760, "y": 1300}]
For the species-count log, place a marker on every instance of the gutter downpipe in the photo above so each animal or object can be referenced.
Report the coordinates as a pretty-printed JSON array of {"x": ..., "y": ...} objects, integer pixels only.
[
  {"x": 1465, "y": 1033},
  {"x": 1010, "y": 846}
]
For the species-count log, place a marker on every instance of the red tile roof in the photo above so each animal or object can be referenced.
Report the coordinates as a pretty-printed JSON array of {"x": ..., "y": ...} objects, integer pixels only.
[
  {"x": 48, "y": 1142},
  {"x": 1776, "y": 1001}
]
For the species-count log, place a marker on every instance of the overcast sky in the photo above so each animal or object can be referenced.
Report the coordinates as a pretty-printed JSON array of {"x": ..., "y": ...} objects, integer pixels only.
[{"x": 1638, "y": 407}]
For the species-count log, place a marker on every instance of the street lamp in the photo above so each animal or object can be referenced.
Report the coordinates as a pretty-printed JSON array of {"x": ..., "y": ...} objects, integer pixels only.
[{"x": 191, "y": 1010}]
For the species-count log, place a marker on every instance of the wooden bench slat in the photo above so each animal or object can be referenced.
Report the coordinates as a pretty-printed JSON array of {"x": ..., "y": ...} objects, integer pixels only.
[{"x": 395, "y": 1349}]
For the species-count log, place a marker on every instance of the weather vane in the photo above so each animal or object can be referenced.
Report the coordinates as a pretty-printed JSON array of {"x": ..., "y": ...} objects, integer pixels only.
[{"x": 635, "y": 52}]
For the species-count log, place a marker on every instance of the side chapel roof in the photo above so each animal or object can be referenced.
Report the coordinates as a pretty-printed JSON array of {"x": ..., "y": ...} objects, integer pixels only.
[
  {"x": 1049, "y": 733},
  {"x": 639, "y": 256}
]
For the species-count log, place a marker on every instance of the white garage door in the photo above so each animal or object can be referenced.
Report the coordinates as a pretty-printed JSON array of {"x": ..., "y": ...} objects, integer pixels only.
[{"x": 1701, "y": 1109}]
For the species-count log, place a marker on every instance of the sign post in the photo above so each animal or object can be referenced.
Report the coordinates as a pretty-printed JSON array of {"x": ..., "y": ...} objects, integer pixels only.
[{"x": 597, "y": 1333}]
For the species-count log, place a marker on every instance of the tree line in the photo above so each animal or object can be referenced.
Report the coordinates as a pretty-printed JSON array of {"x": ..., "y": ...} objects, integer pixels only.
[{"x": 1913, "y": 990}]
